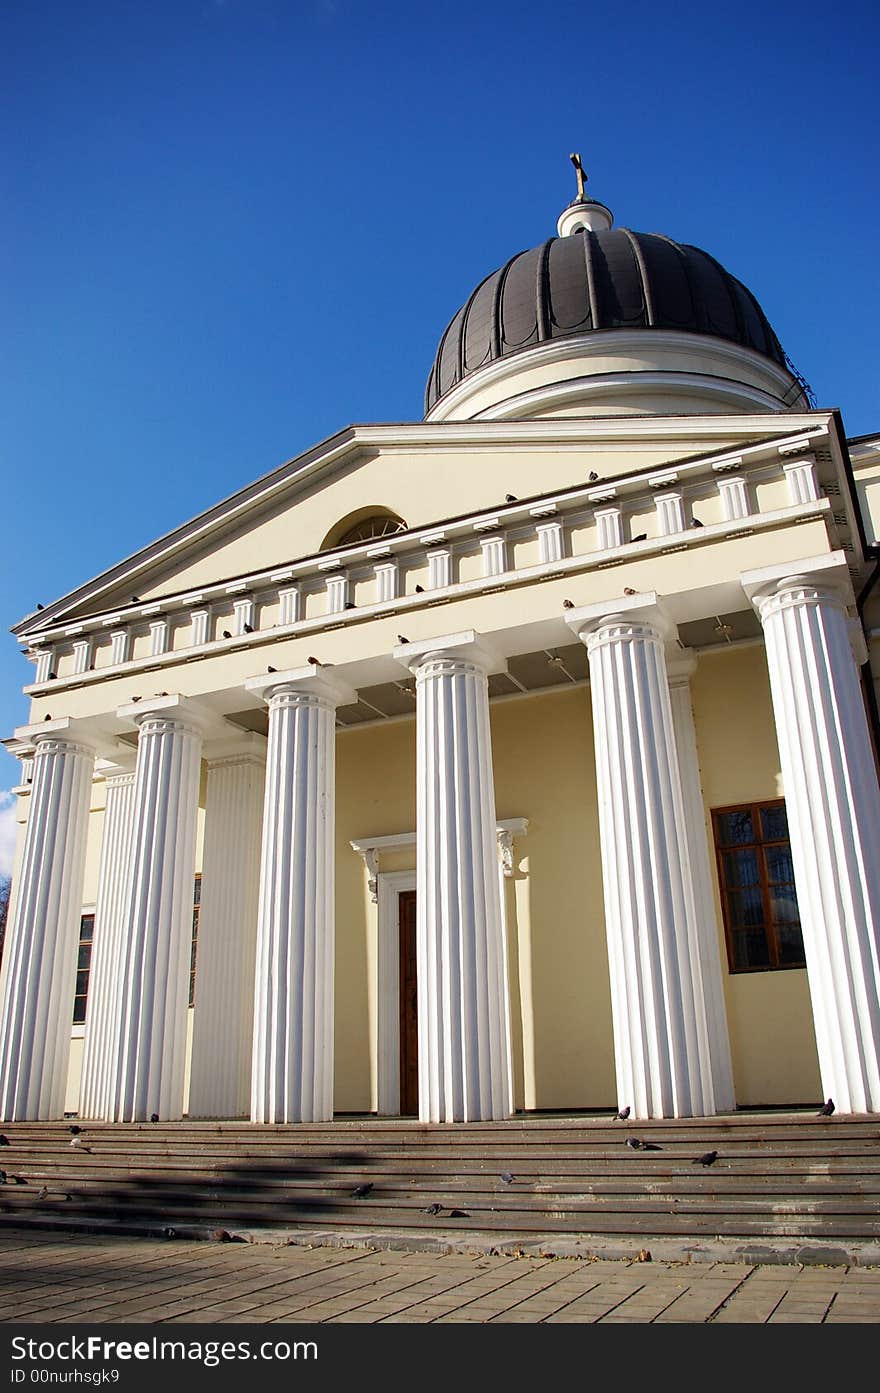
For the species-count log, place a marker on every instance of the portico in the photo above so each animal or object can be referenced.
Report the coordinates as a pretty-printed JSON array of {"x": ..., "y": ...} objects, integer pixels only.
[{"x": 512, "y": 661}]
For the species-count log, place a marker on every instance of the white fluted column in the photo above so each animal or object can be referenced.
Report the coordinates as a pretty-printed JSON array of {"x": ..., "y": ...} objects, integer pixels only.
[
  {"x": 39, "y": 963},
  {"x": 148, "y": 1071},
  {"x": 106, "y": 973},
  {"x": 464, "y": 1039},
  {"x": 292, "y": 1067},
  {"x": 833, "y": 806},
  {"x": 223, "y": 1022},
  {"x": 680, "y": 671},
  {"x": 661, "y": 1044}
]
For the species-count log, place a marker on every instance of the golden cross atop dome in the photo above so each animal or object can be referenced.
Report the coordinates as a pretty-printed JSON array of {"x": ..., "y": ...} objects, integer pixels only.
[{"x": 581, "y": 174}]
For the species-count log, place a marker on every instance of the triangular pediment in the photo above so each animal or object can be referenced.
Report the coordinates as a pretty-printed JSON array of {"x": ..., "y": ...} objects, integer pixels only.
[{"x": 423, "y": 474}]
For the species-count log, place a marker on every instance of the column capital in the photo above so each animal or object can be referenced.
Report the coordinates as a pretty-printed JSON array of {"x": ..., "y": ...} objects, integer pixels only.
[
  {"x": 247, "y": 747},
  {"x": 826, "y": 574},
  {"x": 114, "y": 771},
  {"x": 311, "y": 680},
  {"x": 76, "y": 732},
  {"x": 466, "y": 647},
  {"x": 175, "y": 710},
  {"x": 640, "y": 611}
]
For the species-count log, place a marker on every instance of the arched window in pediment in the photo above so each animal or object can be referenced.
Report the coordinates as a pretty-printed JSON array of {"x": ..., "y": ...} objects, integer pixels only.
[{"x": 363, "y": 526}]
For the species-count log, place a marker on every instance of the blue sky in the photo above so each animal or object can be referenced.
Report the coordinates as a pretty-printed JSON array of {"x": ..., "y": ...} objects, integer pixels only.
[{"x": 233, "y": 226}]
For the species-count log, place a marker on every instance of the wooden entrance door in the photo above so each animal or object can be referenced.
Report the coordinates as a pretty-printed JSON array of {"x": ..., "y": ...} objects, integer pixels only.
[{"x": 409, "y": 1020}]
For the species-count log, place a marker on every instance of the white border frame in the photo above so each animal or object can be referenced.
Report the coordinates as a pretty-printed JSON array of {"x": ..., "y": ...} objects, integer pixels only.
[{"x": 391, "y": 884}]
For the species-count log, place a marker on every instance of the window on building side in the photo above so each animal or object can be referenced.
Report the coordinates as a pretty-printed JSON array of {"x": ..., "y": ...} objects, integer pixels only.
[
  {"x": 83, "y": 967},
  {"x": 84, "y": 963},
  {"x": 197, "y": 904},
  {"x": 761, "y": 919}
]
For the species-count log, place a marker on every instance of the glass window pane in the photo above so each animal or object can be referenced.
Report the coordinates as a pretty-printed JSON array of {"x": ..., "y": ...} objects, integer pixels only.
[
  {"x": 791, "y": 945},
  {"x": 735, "y": 828},
  {"x": 85, "y": 953},
  {"x": 79, "y": 1010},
  {"x": 779, "y": 864},
  {"x": 82, "y": 983},
  {"x": 740, "y": 868},
  {"x": 750, "y": 950},
  {"x": 746, "y": 907},
  {"x": 86, "y": 927},
  {"x": 774, "y": 824},
  {"x": 784, "y": 905}
]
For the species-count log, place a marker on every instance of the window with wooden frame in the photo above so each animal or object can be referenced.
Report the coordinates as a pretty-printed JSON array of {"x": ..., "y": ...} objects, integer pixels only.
[
  {"x": 83, "y": 967},
  {"x": 761, "y": 920}
]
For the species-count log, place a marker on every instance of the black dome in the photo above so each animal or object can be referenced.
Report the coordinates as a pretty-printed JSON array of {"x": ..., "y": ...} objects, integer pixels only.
[{"x": 592, "y": 281}]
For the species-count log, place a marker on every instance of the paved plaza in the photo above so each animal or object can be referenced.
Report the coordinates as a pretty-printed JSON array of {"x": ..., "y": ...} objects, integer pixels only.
[{"x": 78, "y": 1278}]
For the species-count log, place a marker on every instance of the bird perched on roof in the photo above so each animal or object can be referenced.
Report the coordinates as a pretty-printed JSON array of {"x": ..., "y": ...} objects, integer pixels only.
[
  {"x": 227, "y": 634},
  {"x": 221, "y": 1236},
  {"x": 592, "y": 476},
  {"x": 169, "y": 1232},
  {"x": 651, "y": 1146},
  {"x": 641, "y": 537},
  {"x": 47, "y": 717},
  {"x": 3, "y": 1177},
  {"x": 623, "y": 1114},
  {"x": 459, "y": 1214},
  {"x": 75, "y": 1129},
  {"x": 362, "y": 1190},
  {"x": 433, "y": 1209},
  {"x": 628, "y": 590},
  {"x": 634, "y": 1143},
  {"x": 154, "y": 1117},
  {"x": 350, "y": 604},
  {"x": 708, "y": 1158},
  {"x": 695, "y": 522},
  {"x": 137, "y": 698},
  {"x": 4, "y": 1140},
  {"x": 43, "y": 1194},
  {"x": 507, "y": 1177},
  {"x": 826, "y": 1109},
  {"x": 39, "y": 606},
  {"x": 568, "y": 604},
  {"x": 315, "y": 661},
  {"x": 248, "y": 628},
  {"x": 135, "y": 599},
  {"x": 401, "y": 638},
  {"x": 420, "y": 590},
  {"x": 510, "y": 498}
]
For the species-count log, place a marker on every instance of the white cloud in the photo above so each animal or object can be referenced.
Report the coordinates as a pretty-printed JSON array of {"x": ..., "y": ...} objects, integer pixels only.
[{"x": 8, "y": 832}]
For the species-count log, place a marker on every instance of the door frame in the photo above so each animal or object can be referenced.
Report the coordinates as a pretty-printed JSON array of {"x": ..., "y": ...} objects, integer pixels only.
[{"x": 391, "y": 885}]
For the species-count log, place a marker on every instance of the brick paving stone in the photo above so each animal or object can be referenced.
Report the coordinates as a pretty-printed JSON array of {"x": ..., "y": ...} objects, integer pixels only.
[{"x": 87, "y": 1277}]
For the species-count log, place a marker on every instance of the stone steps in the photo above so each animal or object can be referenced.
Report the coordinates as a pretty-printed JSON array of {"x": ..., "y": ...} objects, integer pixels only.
[{"x": 785, "y": 1176}]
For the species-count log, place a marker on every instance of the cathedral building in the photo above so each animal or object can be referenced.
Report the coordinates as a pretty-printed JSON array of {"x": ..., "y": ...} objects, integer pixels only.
[{"x": 522, "y": 757}]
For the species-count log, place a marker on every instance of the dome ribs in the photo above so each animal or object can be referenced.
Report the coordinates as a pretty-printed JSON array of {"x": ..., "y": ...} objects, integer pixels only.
[
  {"x": 569, "y": 307},
  {"x": 542, "y": 292},
  {"x": 591, "y": 278},
  {"x": 619, "y": 288},
  {"x": 696, "y": 318},
  {"x": 730, "y": 285},
  {"x": 519, "y": 309},
  {"x": 633, "y": 240}
]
